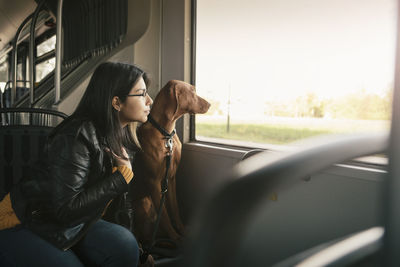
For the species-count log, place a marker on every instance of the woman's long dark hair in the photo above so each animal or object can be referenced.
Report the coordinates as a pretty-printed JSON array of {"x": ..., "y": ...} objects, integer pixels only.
[{"x": 109, "y": 79}]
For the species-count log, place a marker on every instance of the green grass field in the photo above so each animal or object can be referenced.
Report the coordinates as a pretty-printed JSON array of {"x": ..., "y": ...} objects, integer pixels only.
[
  {"x": 283, "y": 134},
  {"x": 257, "y": 133}
]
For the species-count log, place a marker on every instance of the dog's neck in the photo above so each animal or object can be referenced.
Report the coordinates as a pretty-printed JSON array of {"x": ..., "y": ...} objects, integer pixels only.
[{"x": 164, "y": 121}]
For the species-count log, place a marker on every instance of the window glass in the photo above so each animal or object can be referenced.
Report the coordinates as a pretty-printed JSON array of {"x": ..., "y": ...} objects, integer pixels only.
[
  {"x": 44, "y": 68},
  {"x": 278, "y": 71},
  {"x": 4, "y": 70},
  {"x": 21, "y": 74},
  {"x": 46, "y": 46}
]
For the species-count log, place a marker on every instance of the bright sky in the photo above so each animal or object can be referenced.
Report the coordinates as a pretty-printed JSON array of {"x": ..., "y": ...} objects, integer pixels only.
[{"x": 279, "y": 49}]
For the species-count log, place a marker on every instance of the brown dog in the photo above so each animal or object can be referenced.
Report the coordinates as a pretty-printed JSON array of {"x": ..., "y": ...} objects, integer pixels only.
[{"x": 175, "y": 99}]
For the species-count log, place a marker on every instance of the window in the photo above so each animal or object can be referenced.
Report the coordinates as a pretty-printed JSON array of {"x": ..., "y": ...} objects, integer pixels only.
[
  {"x": 276, "y": 71},
  {"x": 46, "y": 46},
  {"x": 4, "y": 69},
  {"x": 44, "y": 68},
  {"x": 45, "y": 62}
]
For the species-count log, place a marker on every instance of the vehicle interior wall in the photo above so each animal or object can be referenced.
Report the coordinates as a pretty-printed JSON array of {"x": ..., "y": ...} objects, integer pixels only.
[
  {"x": 353, "y": 190},
  {"x": 203, "y": 169},
  {"x": 71, "y": 101},
  {"x": 147, "y": 50},
  {"x": 73, "y": 84},
  {"x": 144, "y": 53},
  {"x": 332, "y": 204},
  {"x": 158, "y": 51}
]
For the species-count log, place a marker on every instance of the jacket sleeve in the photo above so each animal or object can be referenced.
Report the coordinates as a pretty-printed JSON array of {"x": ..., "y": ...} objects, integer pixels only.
[{"x": 72, "y": 197}]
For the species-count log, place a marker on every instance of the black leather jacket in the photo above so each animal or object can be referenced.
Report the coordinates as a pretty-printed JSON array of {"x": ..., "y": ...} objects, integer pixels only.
[{"x": 71, "y": 188}]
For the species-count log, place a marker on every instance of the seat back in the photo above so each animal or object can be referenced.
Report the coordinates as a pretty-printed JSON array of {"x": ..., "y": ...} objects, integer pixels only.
[
  {"x": 19, "y": 93},
  {"x": 23, "y": 134},
  {"x": 244, "y": 225}
]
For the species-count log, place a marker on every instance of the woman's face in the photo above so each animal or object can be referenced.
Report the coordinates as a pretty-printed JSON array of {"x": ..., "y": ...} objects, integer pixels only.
[{"x": 135, "y": 107}]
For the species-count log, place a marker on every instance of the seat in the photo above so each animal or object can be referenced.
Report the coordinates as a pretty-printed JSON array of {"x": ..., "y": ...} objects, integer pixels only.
[
  {"x": 6, "y": 95},
  {"x": 23, "y": 133},
  {"x": 357, "y": 250},
  {"x": 234, "y": 226}
]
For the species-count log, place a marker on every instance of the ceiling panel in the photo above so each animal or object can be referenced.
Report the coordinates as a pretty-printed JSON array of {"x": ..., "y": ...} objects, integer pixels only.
[{"x": 12, "y": 14}]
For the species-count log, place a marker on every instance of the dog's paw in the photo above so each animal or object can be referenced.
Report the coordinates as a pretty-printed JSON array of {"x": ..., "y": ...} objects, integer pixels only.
[
  {"x": 145, "y": 259},
  {"x": 149, "y": 262}
]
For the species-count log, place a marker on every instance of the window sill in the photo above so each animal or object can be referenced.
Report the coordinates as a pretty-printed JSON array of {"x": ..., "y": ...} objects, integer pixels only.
[{"x": 237, "y": 149}]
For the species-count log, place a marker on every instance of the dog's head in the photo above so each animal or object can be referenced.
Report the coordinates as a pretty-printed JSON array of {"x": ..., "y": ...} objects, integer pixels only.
[{"x": 178, "y": 98}]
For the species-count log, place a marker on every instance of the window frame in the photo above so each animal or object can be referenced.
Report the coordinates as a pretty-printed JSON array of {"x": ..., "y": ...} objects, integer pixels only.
[
  {"x": 375, "y": 161},
  {"x": 46, "y": 56}
]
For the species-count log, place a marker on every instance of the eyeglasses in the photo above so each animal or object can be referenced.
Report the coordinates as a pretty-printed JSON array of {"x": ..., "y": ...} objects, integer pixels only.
[{"x": 144, "y": 94}]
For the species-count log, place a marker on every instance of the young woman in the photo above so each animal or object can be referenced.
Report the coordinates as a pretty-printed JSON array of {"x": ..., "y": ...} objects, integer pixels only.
[{"x": 54, "y": 217}]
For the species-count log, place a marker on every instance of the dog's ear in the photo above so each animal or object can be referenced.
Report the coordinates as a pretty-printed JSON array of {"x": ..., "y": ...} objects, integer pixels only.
[
  {"x": 172, "y": 98},
  {"x": 182, "y": 99},
  {"x": 177, "y": 92}
]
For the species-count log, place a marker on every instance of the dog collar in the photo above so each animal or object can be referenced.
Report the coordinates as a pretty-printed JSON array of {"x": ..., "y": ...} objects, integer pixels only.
[{"x": 169, "y": 143}]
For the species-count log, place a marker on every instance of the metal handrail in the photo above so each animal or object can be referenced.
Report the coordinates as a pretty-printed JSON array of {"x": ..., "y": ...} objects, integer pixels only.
[
  {"x": 29, "y": 116},
  {"x": 14, "y": 59},
  {"x": 34, "y": 110},
  {"x": 57, "y": 73},
  {"x": 32, "y": 52},
  {"x": 17, "y": 81}
]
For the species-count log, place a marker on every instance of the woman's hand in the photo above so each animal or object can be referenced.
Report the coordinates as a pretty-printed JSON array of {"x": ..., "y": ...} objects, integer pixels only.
[{"x": 118, "y": 161}]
